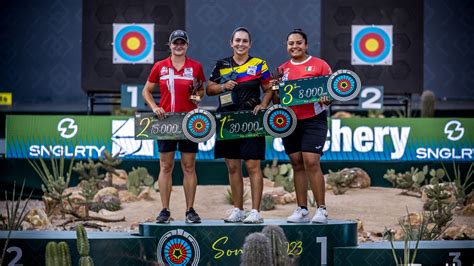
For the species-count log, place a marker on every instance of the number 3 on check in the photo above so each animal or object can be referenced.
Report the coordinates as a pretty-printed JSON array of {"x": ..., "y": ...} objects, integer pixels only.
[{"x": 288, "y": 98}]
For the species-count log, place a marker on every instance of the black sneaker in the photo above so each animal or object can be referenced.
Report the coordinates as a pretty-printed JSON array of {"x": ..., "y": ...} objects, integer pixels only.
[
  {"x": 192, "y": 217},
  {"x": 163, "y": 217}
]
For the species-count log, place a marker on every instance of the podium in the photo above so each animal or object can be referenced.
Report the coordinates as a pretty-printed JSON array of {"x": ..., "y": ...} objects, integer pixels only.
[
  {"x": 106, "y": 248},
  {"x": 439, "y": 252},
  {"x": 214, "y": 242},
  {"x": 217, "y": 243}
]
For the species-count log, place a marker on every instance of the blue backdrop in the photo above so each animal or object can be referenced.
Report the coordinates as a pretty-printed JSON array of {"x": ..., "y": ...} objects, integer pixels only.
[{"x": 40, "y": 44}]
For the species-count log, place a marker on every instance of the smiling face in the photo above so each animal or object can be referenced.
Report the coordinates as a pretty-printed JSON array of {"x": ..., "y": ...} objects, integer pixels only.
[
  {"x": 240, "y": 43},
  {"x": 179, "y": 47},
  {"x": 296, "y": 46}
]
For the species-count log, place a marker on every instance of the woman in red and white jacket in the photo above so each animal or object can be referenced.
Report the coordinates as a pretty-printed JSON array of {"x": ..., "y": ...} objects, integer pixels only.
[{"x": 174, "y": 75}]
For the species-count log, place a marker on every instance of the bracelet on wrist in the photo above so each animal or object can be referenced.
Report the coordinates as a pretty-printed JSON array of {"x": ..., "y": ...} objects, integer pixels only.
[{"x": 223, "y": 88}]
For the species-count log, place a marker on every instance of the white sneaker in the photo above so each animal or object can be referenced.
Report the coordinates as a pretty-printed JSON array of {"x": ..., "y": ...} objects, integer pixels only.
[
  {"x": 321, "y": 216},
  {"x": 253, "y": 217},
  {"x": 299, "y": 216},
  {"x": 236, "y": 216}
]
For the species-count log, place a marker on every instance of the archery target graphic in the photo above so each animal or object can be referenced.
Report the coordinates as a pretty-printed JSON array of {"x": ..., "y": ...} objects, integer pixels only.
[
  {"x": 344, "y": 85},
  {"x": 178, "y": 247},
  {"x": 372, "y": 45},
  {"x": 199, "y": 125},
  {"x": 133, "y": 43},
  {"x": 279, "y": 121}
]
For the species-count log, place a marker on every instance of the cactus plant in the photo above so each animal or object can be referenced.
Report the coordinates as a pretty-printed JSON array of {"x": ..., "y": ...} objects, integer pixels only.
[
  {"x": 428, "y": 101},
  {"x": 267, "y": 172},
  {"x": 108, "y": 202},
  {"x": 82, "y": 241},
  {"x": 89, "y": 170},
  {"x": 283, "y": 168},
  {"x": 462, "y": 182},
  {"x": 230, "y": 200},
  {"x": 86, "y": 261},
  {"x": 56, "y": 180},
  {"x": 312, "y": 201},
  {"x": 397, "y": 180},
  {"x": 65, "y": 255},
  {"x": 51, "y": 255},
  {"x": 281, "y": 174},
  {"x": 268, "y": 202},
  {"x": 90, "y": 179},
  {"x": 15, "y": 215},
  {"x": 418, "y": 178},
  {"x": 411, "y": 235},
  {"x": 156, "y": 186},
  {"x": 148, "y": 180},
  {"x": 90, "y": 176},
  {"x": 110, "y": 162},
  {"x": 375, "y": 113},
  {"x": 271, "y": 171},
  {"x": 83, "y": 246},
  {"x": 410, "y": 180},
  {"x": 340, "y": 182},
  {"x": 440, "y": 210},
  {"x": 57, "y": 254},
  {"x": 436, "y": 176},
  {"x": 279, "y": 244},
  {"x": 256, "y": 250},
  {"x": 137, "y": 177}
]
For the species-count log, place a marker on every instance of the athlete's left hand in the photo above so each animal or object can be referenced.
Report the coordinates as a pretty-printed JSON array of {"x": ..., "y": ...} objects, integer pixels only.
[{"x": 259, "y": 107}]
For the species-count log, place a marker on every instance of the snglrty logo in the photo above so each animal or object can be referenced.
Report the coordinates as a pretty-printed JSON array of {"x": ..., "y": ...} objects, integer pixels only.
[
  {"x": 454, "y": 130},
  {"x": 67, "y": 127}
]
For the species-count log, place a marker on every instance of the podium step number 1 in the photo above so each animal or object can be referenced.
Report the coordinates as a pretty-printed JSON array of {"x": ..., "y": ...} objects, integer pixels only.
[{"x": 131, "y": 97}]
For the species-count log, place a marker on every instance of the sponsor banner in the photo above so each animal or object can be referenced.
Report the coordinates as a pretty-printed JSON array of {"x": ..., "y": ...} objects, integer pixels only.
[
  {"x": 80, "y": 136},
  {"x": 359, "y": 139}
]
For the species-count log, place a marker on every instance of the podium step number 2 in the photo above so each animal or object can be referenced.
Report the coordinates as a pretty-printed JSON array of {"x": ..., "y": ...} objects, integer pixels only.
[{"x": 371, "y": 97}]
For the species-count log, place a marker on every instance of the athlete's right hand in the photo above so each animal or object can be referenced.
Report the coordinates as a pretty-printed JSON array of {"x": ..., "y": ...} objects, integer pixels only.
[
  {"x": 229, "y": 85},
  {"x": 159, "y": 112}
]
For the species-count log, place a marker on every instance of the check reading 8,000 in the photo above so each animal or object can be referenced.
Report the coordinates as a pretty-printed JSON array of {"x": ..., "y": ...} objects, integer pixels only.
[{"x": 302, "y": 93}]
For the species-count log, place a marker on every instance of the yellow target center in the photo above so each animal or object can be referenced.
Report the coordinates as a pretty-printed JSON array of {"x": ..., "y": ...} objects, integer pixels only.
[
  {"x": 133, "y": 43},
  {"x": 198, "y": 125},
  {"x": 372, "y": 45},
  {"x": 343, "y": 85},
  {"x": 279, "y": 121},
  {"x": 177, "y": 253}
]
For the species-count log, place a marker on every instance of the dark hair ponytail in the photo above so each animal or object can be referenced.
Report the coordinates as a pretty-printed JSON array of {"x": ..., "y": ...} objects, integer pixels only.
[
  {"x": 300, "y": 32},
  {"x": 240, "y": 29}
]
